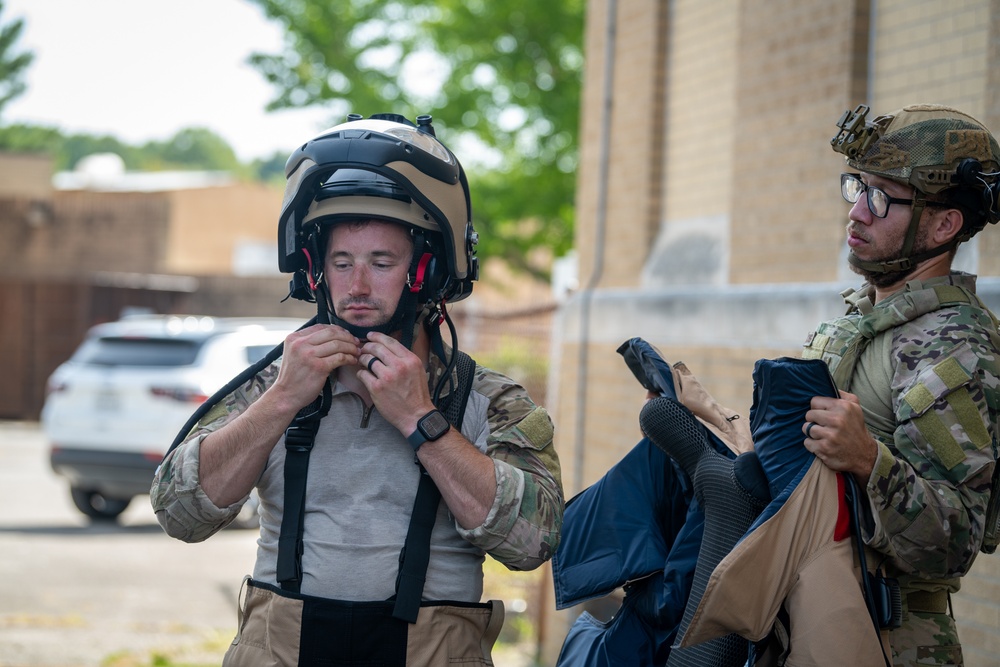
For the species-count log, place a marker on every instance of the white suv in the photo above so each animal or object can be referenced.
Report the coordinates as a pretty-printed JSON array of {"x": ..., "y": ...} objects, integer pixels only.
[{"x": 114, "y": 408}]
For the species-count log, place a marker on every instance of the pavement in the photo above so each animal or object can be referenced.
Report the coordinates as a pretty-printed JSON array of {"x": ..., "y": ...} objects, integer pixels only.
[{"x": 78, "y": 594}]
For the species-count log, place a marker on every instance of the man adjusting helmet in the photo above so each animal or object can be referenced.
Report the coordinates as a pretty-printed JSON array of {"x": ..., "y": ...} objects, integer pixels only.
[
  {"x": 386, "y": 169},
  {"x": 386, "y": 461}
]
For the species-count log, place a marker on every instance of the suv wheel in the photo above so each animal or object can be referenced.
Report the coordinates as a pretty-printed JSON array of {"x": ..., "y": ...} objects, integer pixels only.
[{"x": 97, "y": 506}]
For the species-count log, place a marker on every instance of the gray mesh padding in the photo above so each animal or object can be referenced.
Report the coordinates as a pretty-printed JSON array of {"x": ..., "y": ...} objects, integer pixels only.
[{"x": 730, "y": 506}]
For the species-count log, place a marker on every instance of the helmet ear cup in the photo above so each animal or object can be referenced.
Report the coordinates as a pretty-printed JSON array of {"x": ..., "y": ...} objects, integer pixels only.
[
  {"x": 435, "y": 278},
  {"x": 970, "y": 174}
]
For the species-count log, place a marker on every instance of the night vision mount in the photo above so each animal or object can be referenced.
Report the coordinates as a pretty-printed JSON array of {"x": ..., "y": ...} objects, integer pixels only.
[{"x": 856, "y": 134}]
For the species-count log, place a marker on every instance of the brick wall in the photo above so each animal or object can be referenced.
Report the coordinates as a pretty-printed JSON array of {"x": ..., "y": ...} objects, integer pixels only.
[
  {"x": 633, "y": 176},
  {"x": 26, "y": 175},
  {"x": 794, "y": 72},
  {"x": 83, "y": 231},
  {"x": 206, "y": 224},
  {"x": 193, "y": 231},
  {"x": 748, "y": 252},
  {"x": 695, "y": 187}
]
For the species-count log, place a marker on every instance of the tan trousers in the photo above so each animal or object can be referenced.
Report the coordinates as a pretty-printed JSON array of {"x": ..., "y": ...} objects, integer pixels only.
[{"x": 274, "y": 628}]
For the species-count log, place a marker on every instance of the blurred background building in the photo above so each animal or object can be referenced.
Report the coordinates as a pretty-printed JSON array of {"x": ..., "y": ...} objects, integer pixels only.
[
  {"x": 709, "y": 215},
  {"x": 87, "y": 246}
]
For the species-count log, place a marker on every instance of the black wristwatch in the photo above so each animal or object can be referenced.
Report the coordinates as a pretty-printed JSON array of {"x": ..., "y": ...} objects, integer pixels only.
[{"x": 430, "y": 427}]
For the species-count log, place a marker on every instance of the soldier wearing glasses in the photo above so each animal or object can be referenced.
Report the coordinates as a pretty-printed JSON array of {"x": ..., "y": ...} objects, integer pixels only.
[{"x": 917, "y": 359}]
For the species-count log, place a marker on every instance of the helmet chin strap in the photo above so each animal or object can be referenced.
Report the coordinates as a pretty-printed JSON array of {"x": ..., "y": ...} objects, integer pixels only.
[
  {"x": 906, "y": 262},
  {"x": 403, "y": 319}
]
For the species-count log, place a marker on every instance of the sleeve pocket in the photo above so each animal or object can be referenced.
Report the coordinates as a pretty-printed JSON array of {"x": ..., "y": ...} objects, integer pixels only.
[{"x": 533, "y": 432}]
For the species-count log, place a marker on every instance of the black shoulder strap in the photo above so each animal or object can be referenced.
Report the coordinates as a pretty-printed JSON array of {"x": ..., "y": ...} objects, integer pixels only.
[
  {"x": 416, "y": 551},
  {"x": 299, "y": 439}
]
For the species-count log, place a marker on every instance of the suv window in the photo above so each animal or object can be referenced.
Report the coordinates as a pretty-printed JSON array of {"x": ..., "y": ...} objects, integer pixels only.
[
  {"x": 138, "y": 352},
  {"x": 257, "y": 352}
]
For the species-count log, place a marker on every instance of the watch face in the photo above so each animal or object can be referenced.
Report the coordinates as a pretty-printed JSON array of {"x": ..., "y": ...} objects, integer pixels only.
[{"x": 434, "y": 425}]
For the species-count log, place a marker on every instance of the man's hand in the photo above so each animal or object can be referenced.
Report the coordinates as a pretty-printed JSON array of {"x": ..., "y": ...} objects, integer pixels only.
[
  {"x": 397, "y": 383},
  {"x": 396, "y": 380},
  {"x": 309, "y": 357},
  {"x": 233, "y": 457},
  {"x": 835, "y": 432}
]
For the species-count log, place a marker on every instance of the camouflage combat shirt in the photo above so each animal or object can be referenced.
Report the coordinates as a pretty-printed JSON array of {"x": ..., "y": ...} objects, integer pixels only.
[
  {"x": 361, "y": 484},
  {"x": 928, "y": 378}
]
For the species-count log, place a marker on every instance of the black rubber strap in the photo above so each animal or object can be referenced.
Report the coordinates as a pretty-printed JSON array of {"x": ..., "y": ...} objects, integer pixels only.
[
  {"x": 416, "y": 552},
  {"x": 299, "y": 439},
  {"x": 229, "y": 388}
]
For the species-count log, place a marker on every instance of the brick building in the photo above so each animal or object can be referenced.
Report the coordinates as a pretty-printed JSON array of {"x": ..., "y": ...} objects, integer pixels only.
[
  {"x": 80, "y": 248},
  {"x": 709, "y": 215}
]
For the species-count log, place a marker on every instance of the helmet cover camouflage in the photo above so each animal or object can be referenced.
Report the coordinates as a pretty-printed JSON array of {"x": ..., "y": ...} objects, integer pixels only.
[{"x": 922, "y": 145}]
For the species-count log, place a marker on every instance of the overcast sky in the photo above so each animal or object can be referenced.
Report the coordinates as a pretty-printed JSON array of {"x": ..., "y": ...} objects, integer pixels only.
[{"x": 141, "y": 70}]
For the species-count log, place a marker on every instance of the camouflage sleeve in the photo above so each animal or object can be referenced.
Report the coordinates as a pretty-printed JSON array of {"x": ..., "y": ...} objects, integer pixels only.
[
  {"x": 523, "y": 527},
  {"x": 180, "y": 504},
  {"x": 931, "y": 484}
]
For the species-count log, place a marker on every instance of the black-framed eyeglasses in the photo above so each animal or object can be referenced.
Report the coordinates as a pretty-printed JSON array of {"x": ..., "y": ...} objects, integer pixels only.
[{"x": 852, "y": 187}]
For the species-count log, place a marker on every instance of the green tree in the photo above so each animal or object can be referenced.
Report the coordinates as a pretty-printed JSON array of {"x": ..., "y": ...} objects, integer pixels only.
[
  {"x": 66, "y": 150},
  {"x": 270, "y": 169},
  {"x": 12, "y": 65},
  {"x": 192, "y": 147},
  {"x": 22, "y": 138},
  {"x": 72, "y": 148},
  {"x": 505, "y": 74},
  {"x": 189, "y": 148}
]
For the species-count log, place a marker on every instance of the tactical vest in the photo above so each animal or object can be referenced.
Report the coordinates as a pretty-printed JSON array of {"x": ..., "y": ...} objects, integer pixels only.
[{"x": 841, "y": 342}]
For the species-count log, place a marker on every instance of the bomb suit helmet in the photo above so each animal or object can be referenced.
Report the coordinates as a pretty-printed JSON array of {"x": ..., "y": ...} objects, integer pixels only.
[{"x": 382, "y": 167}]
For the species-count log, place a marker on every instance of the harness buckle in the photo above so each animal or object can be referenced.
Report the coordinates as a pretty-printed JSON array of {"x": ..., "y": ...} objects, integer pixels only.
[{"x": 298, "y": 439}]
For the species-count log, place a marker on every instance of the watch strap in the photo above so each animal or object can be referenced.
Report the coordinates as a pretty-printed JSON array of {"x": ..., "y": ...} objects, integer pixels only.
[{"x": 416, "y": 439}]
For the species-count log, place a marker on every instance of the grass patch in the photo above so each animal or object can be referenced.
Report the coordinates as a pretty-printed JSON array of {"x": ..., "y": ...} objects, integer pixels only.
[{"x": 207, "y": 653}]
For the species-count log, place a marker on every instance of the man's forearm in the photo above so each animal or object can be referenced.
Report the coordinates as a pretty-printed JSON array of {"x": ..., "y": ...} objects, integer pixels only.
[
  {"x": 464, "y": 475},
  {"x": 233, "y": 457}
]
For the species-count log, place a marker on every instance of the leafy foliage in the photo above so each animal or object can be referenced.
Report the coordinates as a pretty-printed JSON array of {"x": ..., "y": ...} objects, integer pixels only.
[
  {"x": 189, "y": 148},
  {"x": 502, "y": 79},
  {"x": 194, "y": 145},
  {"x": 12, "y": 65},
  {"x": 270, "y": 169}
]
